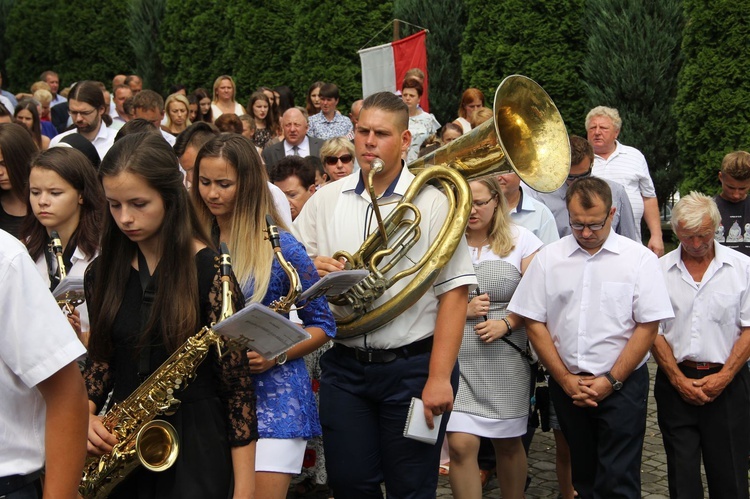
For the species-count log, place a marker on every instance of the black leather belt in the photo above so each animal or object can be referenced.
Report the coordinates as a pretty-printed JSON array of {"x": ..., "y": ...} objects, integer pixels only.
[
  {"x": 13, "y": 483},
  {"x": 701, "y": 366},
  {"x": 372, "y": 356}
]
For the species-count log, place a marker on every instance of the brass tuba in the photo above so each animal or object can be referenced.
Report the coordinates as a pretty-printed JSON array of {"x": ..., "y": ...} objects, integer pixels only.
[{"x": 527, "y": 135}]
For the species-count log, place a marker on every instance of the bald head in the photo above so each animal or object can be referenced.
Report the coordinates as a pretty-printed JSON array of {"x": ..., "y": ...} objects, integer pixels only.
[
  {"x": 295, "y": 126},
  {"x": 354, "y": 114}
]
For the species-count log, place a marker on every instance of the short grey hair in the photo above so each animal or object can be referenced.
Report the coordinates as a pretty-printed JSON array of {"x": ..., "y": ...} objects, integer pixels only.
[
  {"x": 609, "y": 112},
  {"x": 692, "y": 209}
]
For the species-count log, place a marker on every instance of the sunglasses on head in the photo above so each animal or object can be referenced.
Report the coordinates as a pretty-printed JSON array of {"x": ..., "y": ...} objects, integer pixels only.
[{"x": 332, "y": 160}]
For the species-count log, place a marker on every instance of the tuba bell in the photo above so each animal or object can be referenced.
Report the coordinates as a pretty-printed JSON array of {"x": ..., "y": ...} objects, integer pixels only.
[{"x": 527, "y": 135}]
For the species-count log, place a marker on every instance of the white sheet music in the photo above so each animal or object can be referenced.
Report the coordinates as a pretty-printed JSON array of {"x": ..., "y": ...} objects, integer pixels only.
[
  {"x": 70, "y": 288},
  {"x": 334, "y": 284},
  {"x": 262, "y": 330}
]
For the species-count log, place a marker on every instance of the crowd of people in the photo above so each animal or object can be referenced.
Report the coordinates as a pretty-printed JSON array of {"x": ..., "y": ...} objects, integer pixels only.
[{"x": 134, "y": 193}]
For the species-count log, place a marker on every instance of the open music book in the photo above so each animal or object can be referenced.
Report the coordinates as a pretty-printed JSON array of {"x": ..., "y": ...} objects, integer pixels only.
[
  {"x": 334, "y": 284},
  {"x": 70, "y": 289},
  {"x": 262, "y": 330}
]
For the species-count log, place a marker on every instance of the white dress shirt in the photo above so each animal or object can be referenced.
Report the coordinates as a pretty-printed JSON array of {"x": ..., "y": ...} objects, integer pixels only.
[
  {"x": 592, "y": 303},
  {"x": 303, "y": 148},
  {"x": 104, "y": 139},
  {"x": 709, "y": 315},
  {"x": 36, "y": 342},
  {"x": 340, "y": 217}
]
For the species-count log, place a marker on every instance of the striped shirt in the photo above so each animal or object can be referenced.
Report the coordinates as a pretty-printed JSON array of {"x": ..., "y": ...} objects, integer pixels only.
[{"x": 627, "y": 166}]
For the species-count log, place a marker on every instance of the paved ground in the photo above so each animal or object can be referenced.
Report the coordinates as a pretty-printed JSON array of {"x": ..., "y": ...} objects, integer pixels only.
[{"x": 542, "y": 463}]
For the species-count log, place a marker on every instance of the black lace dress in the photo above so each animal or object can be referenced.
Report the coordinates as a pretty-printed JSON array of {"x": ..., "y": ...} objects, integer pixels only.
[{"x": 218, "y": 406}]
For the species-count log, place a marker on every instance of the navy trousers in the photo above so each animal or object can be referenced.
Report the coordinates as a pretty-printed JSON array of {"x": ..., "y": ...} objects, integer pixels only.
[
  {"x": 363, "y": 408},
  {"x": 719, "y": 431},
  {"x": 606, "y": 442}
]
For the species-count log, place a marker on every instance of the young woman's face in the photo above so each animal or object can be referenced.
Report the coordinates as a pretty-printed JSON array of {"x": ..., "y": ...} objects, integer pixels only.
[
  {"x": 205, "y": 105},
  {"x": 483, "y": 208},
  {"x": 193, "y": 112},
  {"x": 25, "y": 118},
  {"x": 410, "y": 97},
  {"x": 471, "y": 108},
  {"x": 315, "y": 97},
  {"x": 218, "y": 186},
  {"x": 177, "y": 113},
  {"x": 136, "y": 207},
  {"x": 55, "y": 203},
  {"x": 260, "y": 109},
  {"x": 4, "y": 177}
]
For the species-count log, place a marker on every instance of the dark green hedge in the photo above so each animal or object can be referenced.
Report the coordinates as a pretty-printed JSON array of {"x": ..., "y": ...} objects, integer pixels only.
[
  {"x": 713, "y": 101},
  {"x": 632, "y": 62},
  {"x": 541, "y": 39}
]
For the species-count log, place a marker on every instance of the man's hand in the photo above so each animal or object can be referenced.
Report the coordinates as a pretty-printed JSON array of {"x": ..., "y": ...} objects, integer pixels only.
[
  {"x": 325, "y": 265},
  {"x": 713, "y": 384},
  {"x": 437, "y": 397},
  {"x": 596, "y": 388},
  {"x": 656, "y": 245},
  {"x": 689, "y": 392}
]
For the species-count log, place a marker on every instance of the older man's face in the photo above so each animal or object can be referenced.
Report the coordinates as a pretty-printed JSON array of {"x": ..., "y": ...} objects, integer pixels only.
[
  {"x": 295, "y": 127},
  {"x": 602, "y": 134},
  {"x": 698, "y": 242}
]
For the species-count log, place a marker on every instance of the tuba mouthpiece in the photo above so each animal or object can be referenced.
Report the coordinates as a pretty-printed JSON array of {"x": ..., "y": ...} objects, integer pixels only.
[{"x": 377, "y": 165}]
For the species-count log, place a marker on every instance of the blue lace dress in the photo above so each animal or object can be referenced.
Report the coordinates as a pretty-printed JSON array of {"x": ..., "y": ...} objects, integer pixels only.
[{"x": 285, "y": 400}]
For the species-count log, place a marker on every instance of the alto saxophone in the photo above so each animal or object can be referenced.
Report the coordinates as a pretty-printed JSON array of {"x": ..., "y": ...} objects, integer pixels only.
[
  {"x": 142, "y": 439},
  {"x": 285, "y": 303}
]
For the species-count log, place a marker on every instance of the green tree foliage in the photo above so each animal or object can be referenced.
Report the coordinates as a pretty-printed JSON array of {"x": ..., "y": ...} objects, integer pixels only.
[
  {"x": 713, "y": 99},
  {"x": 194, "y": 36},
  {"x": 446, "y": 20},
  {"x": 541, "y": 39},
  {"x": 145, "y": 19},
  {"x": 329, "y": 34},
  {"x": 79, "y": 39},
  {"x": 262, "y": 44},
  {"x": 5, "y": 6},
  {"x": 632, "y": 63}
]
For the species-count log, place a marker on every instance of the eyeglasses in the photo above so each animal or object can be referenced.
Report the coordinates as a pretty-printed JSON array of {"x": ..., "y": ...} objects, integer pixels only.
[
  {"x": 585, "y": 174},
  {"x": 332, "y": 160},
  {"x": 591, "y": 227},
  {"x": 479, "y": 204},
  {"x": 85, "y": 114}
]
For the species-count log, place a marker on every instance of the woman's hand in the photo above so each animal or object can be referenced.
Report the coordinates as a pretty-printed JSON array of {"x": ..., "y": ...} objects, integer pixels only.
[
  {"x": 74, "y": 317},
  {"x": 100, "y": 441},
  {"x": 489, "y": 331},
  {"x": 258, "y": 363},
  {"x": 478, "y": 306}
]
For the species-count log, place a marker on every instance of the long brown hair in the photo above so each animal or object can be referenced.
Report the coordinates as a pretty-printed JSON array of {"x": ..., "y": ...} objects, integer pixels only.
[
  {"x": 17, "y": 148},
  {"x": 175, "y": 312},
  {"x": 74, "y": 168}
]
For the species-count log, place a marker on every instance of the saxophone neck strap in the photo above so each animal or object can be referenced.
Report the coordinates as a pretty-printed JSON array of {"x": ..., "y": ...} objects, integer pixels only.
[{"x": 148, "y": 287}]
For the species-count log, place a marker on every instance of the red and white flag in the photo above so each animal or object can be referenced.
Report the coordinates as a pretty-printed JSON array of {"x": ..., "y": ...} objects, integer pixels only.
[{"x": 384, "y": 66}]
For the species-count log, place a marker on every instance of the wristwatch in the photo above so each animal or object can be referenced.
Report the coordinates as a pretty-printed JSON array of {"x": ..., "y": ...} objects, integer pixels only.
[
  {"x": 616, "y": 385},
  {"x": 281, "y": 360}
]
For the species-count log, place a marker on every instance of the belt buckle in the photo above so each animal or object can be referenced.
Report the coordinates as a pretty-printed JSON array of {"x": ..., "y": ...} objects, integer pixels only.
[{"x": 703, "y": 366}]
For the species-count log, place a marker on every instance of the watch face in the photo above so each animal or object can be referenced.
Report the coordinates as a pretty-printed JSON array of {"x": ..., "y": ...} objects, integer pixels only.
[{"x": 617, "y": 385}]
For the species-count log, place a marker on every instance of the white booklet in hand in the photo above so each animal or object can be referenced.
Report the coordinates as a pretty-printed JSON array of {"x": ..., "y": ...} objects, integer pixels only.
[
  {"x": 334, "y": 284},
  {"x": 70, "y": 289},
  {"x": 262, "y": 330},
  {"x": 416, "y": 425}
]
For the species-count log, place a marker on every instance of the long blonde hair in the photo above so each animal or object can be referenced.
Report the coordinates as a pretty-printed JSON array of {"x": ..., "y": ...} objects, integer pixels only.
[
  {"x": 500, "y": 235},
  {"x": 252, "y": 255}
]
